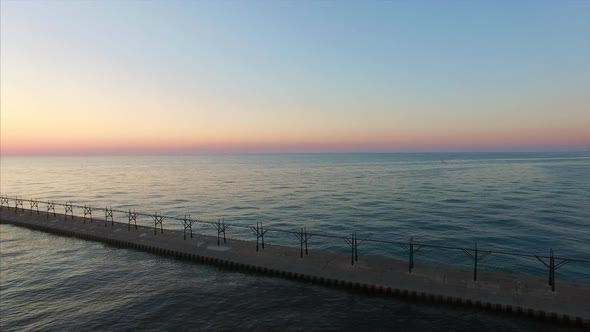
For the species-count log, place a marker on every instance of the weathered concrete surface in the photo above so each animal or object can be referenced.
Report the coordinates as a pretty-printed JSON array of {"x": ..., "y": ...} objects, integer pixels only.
[{"x": 506, "y": 292}]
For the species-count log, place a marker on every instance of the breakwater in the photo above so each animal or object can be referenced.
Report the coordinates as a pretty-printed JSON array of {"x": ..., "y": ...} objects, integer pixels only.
[{"x": 492, "y": 290}]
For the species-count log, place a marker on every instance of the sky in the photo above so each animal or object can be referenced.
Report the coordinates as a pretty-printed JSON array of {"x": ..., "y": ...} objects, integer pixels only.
[{"x": 124, "y": 77}]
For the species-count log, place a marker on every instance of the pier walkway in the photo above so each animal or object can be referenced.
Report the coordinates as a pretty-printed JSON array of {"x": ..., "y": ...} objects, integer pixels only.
[{"x": 506, "y": 292}]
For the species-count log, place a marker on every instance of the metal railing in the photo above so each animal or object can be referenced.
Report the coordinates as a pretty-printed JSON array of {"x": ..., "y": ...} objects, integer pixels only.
[{"x": 411, "y": 248}]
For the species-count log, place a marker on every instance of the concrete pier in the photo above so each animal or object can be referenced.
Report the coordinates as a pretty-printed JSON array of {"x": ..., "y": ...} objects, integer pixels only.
[{"x": 511, "y": 293}]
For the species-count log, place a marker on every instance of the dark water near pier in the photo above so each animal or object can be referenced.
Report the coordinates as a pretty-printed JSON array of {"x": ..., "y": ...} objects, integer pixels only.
[{"x": 517, "y": 201}]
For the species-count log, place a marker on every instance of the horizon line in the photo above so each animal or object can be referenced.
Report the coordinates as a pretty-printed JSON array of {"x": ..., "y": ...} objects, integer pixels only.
[{"x": 204, "y": 153}]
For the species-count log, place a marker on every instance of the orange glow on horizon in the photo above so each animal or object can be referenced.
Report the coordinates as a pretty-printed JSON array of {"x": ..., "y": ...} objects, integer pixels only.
[{"x": 536, "y": 140}]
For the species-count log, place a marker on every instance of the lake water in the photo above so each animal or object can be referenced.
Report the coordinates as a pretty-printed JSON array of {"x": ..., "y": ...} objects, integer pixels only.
[{"x": 524, "y": 202}]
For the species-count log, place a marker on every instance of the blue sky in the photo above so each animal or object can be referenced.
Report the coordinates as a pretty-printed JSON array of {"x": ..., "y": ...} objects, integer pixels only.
[{"x": 352, "y": 74}]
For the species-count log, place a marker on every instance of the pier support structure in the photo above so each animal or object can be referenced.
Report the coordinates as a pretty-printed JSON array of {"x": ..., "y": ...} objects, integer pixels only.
[
  {"x": 34, "y": 206},
  {"x": 410, "y": 249},
  {"x": 303, "y": 237},
  {"x": 87, "y": 212},
  {"x": 377, "y": 276},
  {"x": 108, "y": 214},
  {"x": 259, "y": 231},
  {"x": 17, "y": 202},
  {"x": 553, "y": 267},
  {"x": 221, "y": 227},
  {"x": 551, "y": 262},
  {"x": 69, "y": 209},
  {"x": 4, "y": 200},
  {"x": 188, "y": 224},
  {"x": 132, "y": 216},
  {"x": 353, "y": 242},
  {"x": 50, "y": 207},
  {"x": 158, "y": 220},
  {"x": 476, "y": 257}
]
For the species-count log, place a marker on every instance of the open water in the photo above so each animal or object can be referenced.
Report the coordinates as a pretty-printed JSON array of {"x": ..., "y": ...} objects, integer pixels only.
[{"x": 523, "y": 202}]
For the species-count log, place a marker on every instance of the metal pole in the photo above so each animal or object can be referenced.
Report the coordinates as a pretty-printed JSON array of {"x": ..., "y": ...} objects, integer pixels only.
[
  {"x": 356, "y": 246},
  {"x": 475, "y": 263},
  {"x": 305, "y": 230},
  {"x": 224, "y": 241},
  {"x": 257, "y": 236},
  {"x": 552, "y": 270},
  {"x": 188, "y": 222},
  {"x": 301, "y": 242},
  {"x": 411, "y": 262},
  {"x": 262, "y": 230},
  {"x": 352, "y": 248},
  {"x": 218, "y": 230}
]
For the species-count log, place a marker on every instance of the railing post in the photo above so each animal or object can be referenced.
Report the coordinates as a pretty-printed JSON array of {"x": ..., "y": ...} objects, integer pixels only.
[
  {"x": 221, "y": 227},
  {"x": 356, "y": 247},
  {"x": 257, "y": 236},
  {"x": 188, "y": 223},
  {"x": 223, "y": 222},
  {"x": 158, "y": 219},
  {"x": 87, "y": 211},
  {"x": 551, "y": 270},
  {"x": 155, "y": 223},
  {"x": 475, "y": 263},
  {"x": 305, "y": 233},
  {"x": 411, "y": 258},
  {"x": 34, "y": 204},
  {"x": 132, "y": 216},
  {"x": 18, "y": 201},
  {"x": 2, "y": 201},
  {"x": 50, "y": 207},
  {"x": 304, "y": 237},
  {"x": 262, "y": 231},
  {"x": 553, "y": 267},
  {"x": 219, "y": 231},
  {"x": 301, "y": 243},
  {"x": 352, "y": 248},
  {"x": 108, "y": 213},
  {"x": 68, "y": 208},
  {"x": 258, "y": 232}
]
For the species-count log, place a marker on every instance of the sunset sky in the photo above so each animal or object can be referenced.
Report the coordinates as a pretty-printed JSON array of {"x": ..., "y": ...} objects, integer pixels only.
[{"x": 294, "y": 76}]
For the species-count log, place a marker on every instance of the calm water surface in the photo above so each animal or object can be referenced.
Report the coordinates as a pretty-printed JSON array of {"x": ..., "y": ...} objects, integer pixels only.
[{"x": 517, "y": 201}]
